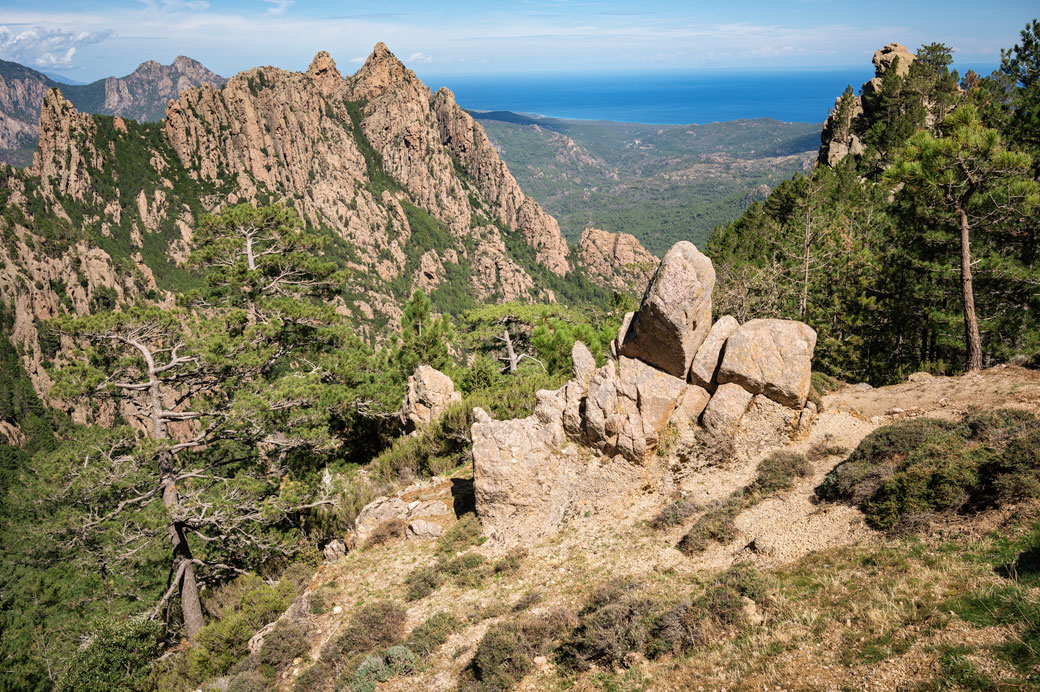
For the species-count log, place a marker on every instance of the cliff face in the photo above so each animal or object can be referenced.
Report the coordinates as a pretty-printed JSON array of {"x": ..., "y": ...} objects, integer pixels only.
[{"x": 141, "y": 95}]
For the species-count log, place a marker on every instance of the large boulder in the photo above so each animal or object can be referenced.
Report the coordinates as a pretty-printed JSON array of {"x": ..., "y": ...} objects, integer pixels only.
[
  {"x": 771, "y": 357},
  {"x": 429, "y": 392},
  {"x": 523, "y": 474},
  {"x": 675, "y": 314},
  {"x": 628, "y": 405},
  {"x": 706, "y": 363},
  {"x": 727, "y": 406}
]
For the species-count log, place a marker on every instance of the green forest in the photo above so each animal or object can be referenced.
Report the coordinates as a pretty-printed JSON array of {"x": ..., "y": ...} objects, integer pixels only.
[{"x": 247, "y": 423}]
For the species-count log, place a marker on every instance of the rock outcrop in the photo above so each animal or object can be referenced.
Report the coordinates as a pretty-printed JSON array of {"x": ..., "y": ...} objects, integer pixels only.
[
  {"x": 617, "y": 260},
  {"x": 429, "y": 392},
  {"x": 675, "y": 314},
  {"x": 851, "y": 115},
  {"x": 771, "y": 357},
  {"x": 751, "y": 384}
]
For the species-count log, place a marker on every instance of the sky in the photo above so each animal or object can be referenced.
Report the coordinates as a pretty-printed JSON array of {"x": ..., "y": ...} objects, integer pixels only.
[{"x": 89, "y": 39}]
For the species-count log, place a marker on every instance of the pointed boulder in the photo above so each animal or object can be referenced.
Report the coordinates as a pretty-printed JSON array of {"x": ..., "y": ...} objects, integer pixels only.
[{"x": 675, "y": 314}]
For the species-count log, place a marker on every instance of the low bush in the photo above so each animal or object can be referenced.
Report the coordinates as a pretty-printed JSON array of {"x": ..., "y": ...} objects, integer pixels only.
[
  {"x": 675, "y": 513},
  {"x": 386, "y": 532},
  {"x": 902, "y": 473},
  {"x": 422, "y": 581},
  {"x": 715, "y": 525},
  {"x": 431, "y": 633},
  {"x": 529, "y": 599},
  {"x": 372, "y": 671},
  {"x": 239, "y": 608},
  {"x": 376, "y": 625},
  {"x": 506, "y": 653},
  {"x": 617, "y": 621},
  {"x": 464, "y": 533},
  {"x": 401, "y": 660},
  {"x": 778, "y": 472},
  {"x": 286, "y": 641},
  {"x": 510, "y": 562},
  {"x": 466, "y": 570}
]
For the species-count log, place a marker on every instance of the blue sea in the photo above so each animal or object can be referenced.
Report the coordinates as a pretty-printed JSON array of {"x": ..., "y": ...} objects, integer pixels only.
[{"x": 663, "y": 98}]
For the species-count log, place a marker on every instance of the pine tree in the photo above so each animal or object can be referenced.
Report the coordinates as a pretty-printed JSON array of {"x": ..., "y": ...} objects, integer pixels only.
[{"x": 967, "y": 182}]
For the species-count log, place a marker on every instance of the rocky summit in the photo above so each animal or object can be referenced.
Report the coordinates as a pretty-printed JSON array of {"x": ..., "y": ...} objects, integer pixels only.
[{"x": 669, "y": 371}]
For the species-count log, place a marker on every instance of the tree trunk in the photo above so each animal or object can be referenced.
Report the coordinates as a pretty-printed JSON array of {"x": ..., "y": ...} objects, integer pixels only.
[
  {"x": 509, "y": 350},
  {"x": 191, "y": 606},
  {"x": 972, "y": 340}
]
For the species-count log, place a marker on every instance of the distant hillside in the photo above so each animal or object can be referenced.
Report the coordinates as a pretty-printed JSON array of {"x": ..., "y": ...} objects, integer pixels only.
[
  {"x": 141, "y": 95},
  {"x": 659, "y": 183}
]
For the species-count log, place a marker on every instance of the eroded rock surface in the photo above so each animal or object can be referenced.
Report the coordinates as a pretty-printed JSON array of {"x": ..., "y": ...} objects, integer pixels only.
[
  {"x": 705, "y": 364},
  {"x": 598, "y": 435},
  {"x": 429, "y": 392},
  {"x": 771, "y": 357},
  {"x": 675, "y": 314}
]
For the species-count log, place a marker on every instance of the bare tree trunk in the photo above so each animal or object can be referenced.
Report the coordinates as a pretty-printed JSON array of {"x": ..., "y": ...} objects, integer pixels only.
[
  {"x": 972, "y": 340},
  {"x": 511, "y": 354},
  {"x": 182, "y": 566}
]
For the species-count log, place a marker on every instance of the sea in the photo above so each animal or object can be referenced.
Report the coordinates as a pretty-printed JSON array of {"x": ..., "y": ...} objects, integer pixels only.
[{"x": 664, "y": 98}]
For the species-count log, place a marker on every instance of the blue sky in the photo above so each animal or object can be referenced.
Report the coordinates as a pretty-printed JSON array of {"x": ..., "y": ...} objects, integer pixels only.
[{"x": 87, "y": 39}]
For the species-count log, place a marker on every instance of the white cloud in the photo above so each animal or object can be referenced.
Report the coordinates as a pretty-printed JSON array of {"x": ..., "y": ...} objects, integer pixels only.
[
  {"x": 278, "y": 6},
  {"x": 419, "y": 57},
  {"x": 358, "y": 60},
  {"x": 43, "y": 47}
]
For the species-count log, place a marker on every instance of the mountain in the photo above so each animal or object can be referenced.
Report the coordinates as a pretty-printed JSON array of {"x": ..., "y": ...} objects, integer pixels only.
[
  {"x": 658, "y": 183},
  {"x": 402, "y": 182},
  {"x": 62, "y": 79},
  {"x": 141, "y": 95}
]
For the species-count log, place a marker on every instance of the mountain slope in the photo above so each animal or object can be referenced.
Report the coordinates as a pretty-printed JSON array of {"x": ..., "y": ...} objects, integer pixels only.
[
  {"x": 141, "y": 95},
  {"x": 402, "y": 182}
]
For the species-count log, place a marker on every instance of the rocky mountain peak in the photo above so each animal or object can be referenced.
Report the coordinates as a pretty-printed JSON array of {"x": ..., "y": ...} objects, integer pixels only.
[
  {"x": 886, "y": 57},
  {"x": 324, "y": 73},
  {"x": 381, "y": 72}
]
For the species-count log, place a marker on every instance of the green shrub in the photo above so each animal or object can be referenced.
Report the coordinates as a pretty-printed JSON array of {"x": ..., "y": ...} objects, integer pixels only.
[
  {"x": 1013, "y": 475},
  {"x": 286, "y": 641},
  {"x": 778, "y": 472},
  {"x": 502, "y": 659},
  {"x": 717, "y": 524},
  {"x": 431, "y": 633},
  {"x": 376, "y": 625},
  {"x": 249, "y": 681},
  {"x": 465, "y": 570},
  {"x": 935, "y": 477},
  {"x": 422, "y": 581},
  {"x": 879, "y": 454},
  {"x": 239, "y": 610},
  {"x": 464, "y": 533},
  {"x": 371, "y": 671},
  {"x": 510, "y": 562},
  {"x": 675, "y": 513},
  {"x": 617, "y": 621},
  {"x": 904, "y": 472},
  {"x": 116, "y": 660},
  {"x": 401, "y": 660}
]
